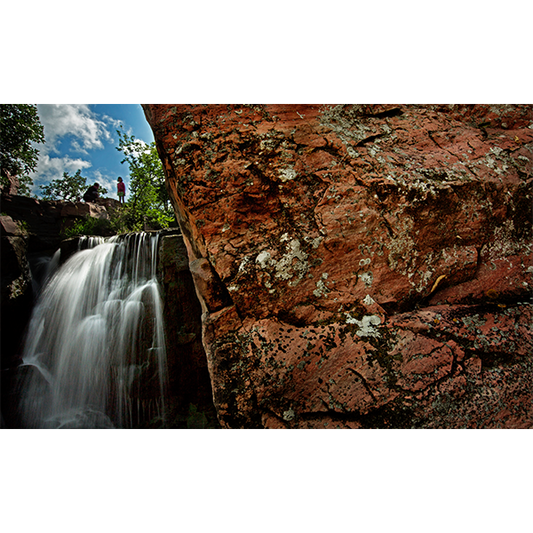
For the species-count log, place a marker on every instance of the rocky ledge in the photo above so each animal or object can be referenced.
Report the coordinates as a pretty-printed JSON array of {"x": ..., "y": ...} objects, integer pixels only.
[{"x": 359, "y": 266}]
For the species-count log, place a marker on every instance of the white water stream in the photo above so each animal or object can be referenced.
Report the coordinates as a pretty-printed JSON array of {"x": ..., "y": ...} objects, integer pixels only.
[{"x": 95, "y": 351}]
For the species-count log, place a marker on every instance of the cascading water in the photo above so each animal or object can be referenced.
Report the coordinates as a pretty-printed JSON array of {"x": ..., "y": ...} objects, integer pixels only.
[{"x": 95, "y": 352}]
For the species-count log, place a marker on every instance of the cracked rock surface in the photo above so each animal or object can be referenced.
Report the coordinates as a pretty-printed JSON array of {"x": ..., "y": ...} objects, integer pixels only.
[{"x": 358, "y": 266}]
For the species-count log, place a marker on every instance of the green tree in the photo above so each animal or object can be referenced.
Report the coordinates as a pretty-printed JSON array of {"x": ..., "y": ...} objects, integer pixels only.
[
  {"x": 68, "y": 188},
  {"x": 20, "y": 126},
  {"x": 148, "y": 202}
]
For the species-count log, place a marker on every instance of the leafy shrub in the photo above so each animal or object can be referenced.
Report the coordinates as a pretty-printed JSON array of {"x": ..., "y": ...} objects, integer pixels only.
[{"x": 89, "y": 226}]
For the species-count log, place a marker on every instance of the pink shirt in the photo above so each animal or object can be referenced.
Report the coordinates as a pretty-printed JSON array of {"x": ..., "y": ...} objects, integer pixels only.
[{"x": 121, "y": 187}]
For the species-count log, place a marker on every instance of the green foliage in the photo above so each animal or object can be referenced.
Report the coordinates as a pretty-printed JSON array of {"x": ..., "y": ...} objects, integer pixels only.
[
  {"x": 20, "y": 126},
  {"x": 196, "y": 419},
  {"x": 70, "y": 188},
  {"x": 66, "y": 188},
  {"x": 192, "y": 416},
  {"x": 121, "y": 220},
  {"x": 88, "y": 226},
  {"x": 149, "y": 203}
]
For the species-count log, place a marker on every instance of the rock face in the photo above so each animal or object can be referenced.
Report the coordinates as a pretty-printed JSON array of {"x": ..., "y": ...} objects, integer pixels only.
[
  {"x": 358, "y": 266},
  {"x": 187, "y": 365},
  {"x": 15, "y": 287},
  {"x": 45, "y": 221}
]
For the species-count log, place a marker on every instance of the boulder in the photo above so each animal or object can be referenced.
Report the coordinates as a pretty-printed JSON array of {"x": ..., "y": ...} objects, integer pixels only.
[
  {"x": 358, "y": 266},
  {"x": 75, "y": 209},
  {"x": 9, "y": 226}
]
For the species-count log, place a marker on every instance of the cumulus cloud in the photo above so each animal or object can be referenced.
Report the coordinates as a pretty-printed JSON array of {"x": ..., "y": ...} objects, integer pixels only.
[
  {"x": 138, "y": 147},
  {"x": 49, "y": 168},
  {"x": 87, "y": 131},
  {"x": 58, "y": 165},
  {"x": 109, "y": 182},
  {"x": 83, "y": 130}
]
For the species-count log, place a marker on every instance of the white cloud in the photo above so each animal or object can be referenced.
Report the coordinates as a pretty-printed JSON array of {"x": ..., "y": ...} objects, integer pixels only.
[
  {"x": 110, "y": 183},
  {"x": 49, "y": 168},
  {"x": 58, "y": 165},
  {"x": 85, "y": 130},
  {"x": 137, "y": 148},
  {"x": 89, "y": 132}
]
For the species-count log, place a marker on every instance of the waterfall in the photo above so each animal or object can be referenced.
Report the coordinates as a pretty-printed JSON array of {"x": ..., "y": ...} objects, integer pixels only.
[{"x": 95, "y": 353}]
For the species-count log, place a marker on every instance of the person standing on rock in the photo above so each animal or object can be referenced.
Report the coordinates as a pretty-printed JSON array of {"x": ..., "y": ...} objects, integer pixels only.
[
  {"x": 92, "y": 193},
  {"x": 121, "y": 190}
]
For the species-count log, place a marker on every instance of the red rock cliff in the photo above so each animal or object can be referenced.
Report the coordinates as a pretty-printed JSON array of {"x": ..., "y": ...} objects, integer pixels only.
[{"x": 358, "y": 266}]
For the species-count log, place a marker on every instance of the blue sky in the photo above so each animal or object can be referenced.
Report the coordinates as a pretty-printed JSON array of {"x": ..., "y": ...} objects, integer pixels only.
[{"x": 83, "y": 136}]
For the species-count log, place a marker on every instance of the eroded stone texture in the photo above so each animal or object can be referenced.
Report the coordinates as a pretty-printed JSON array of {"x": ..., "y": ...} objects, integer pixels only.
[{"x": 358, "y": 266}]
